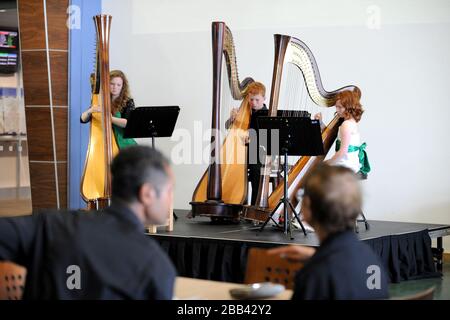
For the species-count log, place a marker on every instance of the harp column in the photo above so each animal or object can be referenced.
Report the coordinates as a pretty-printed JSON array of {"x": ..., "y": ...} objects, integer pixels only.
[{"x": 214, "y": 192}]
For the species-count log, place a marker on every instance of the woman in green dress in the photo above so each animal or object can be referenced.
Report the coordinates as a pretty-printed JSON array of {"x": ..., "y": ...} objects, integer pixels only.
[
  {"x": 350, "y": 151},
  {"x": 121, "y": 106}
]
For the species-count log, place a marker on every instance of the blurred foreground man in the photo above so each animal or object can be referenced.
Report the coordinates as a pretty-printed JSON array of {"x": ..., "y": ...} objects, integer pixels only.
[
  {"x": 342, "y": 267},
  {"x": 100, "y": 255}
]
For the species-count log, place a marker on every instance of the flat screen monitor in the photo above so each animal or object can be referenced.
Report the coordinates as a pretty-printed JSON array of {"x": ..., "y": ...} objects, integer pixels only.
[
  {"x": 9, "y": 50},
  {"x": 9, "y": 39}
]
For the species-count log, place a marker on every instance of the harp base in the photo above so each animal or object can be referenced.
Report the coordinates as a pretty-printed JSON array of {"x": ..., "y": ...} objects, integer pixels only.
[
  {"x": 254, "y": 213},
  {"x": 216, "y": 210}
]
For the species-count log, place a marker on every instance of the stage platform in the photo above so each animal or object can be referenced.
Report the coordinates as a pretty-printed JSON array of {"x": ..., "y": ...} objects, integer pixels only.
[{"x": 202, "y": 249}]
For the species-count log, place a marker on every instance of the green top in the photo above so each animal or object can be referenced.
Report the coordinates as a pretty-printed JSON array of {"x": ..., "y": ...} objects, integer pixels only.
[
  {"x": 362, "y": 155},
  {"x": 118, "y": 133}
]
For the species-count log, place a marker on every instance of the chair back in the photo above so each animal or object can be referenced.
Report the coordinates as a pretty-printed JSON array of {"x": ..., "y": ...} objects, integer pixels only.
[
  {"x": 12, "y": 281},
  {"x": 262, "y": 267}
]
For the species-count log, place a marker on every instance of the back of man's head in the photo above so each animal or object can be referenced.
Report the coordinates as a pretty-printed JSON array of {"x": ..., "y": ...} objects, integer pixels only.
[
  {"x": 335, "y": 198},
  {"x": 135, "y": 166}
]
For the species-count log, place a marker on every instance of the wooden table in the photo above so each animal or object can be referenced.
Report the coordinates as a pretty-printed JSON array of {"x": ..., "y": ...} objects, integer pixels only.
[{"x": 197, "y": 289}]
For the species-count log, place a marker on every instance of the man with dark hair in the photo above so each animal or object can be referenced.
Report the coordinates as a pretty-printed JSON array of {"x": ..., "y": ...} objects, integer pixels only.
[
  {"x": 342, "y": 267},
  {"x": 100, "y": 255}
]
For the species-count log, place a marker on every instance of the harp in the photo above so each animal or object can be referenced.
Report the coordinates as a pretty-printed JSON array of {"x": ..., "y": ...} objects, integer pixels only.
[
  {"x": 95, "y": 186},
  {"x": 296, "y": 83},
  {"x": 223, "y": 187}
]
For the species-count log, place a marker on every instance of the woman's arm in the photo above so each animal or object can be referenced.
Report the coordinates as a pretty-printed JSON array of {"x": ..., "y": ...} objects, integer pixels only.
[
  {"x": 122, "y": 122},
  {"x": 86, "y": 116},
  {"x": 345, "y": 135},
  {"x": 318, "y": 116},
  {"x": 119, "y": 122}
]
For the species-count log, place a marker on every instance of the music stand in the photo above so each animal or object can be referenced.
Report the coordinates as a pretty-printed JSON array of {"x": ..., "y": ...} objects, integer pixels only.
[
  {"x": 152, "y": 122},
  {"x": 299, "y": 136}
]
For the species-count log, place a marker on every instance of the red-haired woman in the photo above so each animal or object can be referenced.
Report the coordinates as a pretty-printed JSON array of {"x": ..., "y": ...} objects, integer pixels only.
[
  {"x": 350, "y": 152},
  {"x": 121, "y": 106}
]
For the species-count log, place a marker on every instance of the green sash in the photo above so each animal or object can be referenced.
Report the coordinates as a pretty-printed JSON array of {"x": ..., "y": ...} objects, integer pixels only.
[
  {"x": 362, "y": 155},
  {"x": 118, "y": 133}
]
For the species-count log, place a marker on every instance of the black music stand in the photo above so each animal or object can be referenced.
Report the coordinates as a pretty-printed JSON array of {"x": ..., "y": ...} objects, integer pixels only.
[
  {"x": 152, "y": 122},
  {"x": 297, "y": 136}
]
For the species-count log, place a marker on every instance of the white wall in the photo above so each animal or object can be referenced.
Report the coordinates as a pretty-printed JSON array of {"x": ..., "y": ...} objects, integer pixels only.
[{"x": 397, "y": 52}]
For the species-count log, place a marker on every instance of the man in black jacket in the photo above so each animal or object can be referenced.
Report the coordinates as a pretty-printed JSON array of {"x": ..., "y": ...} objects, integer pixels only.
[
  {"x": 99, "y": 255},
  {"x": 342, "y": 267}
]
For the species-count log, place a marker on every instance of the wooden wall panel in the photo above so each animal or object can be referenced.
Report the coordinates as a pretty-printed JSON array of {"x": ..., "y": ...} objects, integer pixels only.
[
  {"x": 59, "y": 67},
  {"x": 60, "y": 123},
  {"x": 62, "y": 183},
  {"x": 42, "y": 110},
  {"x": 39, "y": 132},
  {"x": 32, "y": 24},
  {"x": 43, "y": 191},
  {"x": 58, "y": 33},
  {"x": 35, "y": 78}
]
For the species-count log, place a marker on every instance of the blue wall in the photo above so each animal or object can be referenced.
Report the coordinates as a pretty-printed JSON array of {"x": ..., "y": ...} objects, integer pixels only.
[{"x": 81, "y": 64}]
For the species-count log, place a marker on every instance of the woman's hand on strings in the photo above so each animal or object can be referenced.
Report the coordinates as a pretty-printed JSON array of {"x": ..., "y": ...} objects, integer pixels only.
[
  {"x": 86, "y": 115},
  {"x": 293, "y": 253},
  {"x": 93, "y": 109},
  {"x": 245, "y": 138},
  {"x": 233, "y": 114},
  {"x": 318, "y": 116}
]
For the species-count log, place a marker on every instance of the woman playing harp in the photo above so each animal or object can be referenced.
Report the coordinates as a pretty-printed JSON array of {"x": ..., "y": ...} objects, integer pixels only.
[
  {"x": 297, "y": 85},
  {"x": 350, "y": 152},
  {"x": 121, "y": 106}
]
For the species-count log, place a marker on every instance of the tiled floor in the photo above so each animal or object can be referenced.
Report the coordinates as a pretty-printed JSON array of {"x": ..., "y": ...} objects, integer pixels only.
[
  {"x": 411, "y": 287},
  {"x": 15, "y": 207}
]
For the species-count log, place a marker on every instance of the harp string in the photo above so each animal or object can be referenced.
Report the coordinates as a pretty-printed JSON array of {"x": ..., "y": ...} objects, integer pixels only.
[
  {"x": 294, "y": 96},
  {"x": 226, "y": 105}
]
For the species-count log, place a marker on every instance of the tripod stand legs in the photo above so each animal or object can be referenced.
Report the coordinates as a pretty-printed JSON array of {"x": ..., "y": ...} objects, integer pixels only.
[
  {"x": 297, "y": 218},
  {"x": 286, "y": 204},
  {"x": 287, "y": 221},
  {"x": 270, "y": 217},
  {"x": 366, "y": 223}
]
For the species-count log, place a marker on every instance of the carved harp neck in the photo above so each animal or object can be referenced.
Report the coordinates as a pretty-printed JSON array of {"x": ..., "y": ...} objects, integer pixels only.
[
  {"x": 238, "y": 89},
  {"x": 300, "y": 55}
]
